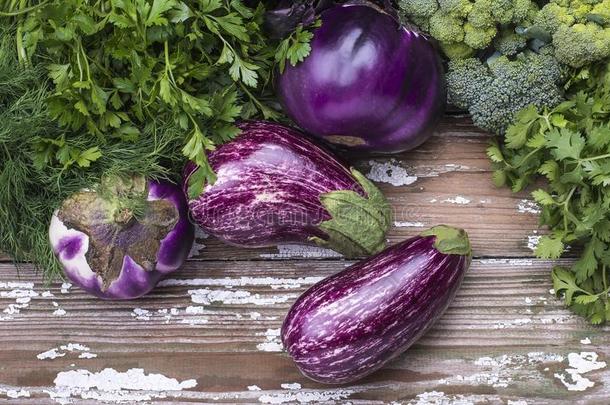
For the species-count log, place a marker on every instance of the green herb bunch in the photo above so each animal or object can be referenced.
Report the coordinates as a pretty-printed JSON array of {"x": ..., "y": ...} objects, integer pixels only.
[
  {"x": 117, "y": 65},
  {"x": 570, "y": 146},
  {"x": 29, "y": 190}
]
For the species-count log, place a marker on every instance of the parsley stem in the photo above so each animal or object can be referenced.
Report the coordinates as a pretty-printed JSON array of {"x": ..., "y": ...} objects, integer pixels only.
[{"x": 596, "y": 158}]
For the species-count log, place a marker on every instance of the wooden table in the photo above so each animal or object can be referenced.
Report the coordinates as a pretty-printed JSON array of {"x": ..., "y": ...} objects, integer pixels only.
[{"x": 210, "y": 334}]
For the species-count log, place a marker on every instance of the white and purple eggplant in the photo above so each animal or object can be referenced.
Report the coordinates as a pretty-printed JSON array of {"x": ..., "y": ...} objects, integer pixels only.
[
  {"x": 119, "y": 240},
  {"x": 352, "y": 323},
  {"x": 274, "y": 185}
]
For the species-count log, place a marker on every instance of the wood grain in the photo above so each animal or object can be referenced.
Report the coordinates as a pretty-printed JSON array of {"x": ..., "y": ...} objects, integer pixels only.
[
  {"x": 451, "y": 167},
  {"x": 505, "y": 337},
  {"x": 503, "y": 309}
]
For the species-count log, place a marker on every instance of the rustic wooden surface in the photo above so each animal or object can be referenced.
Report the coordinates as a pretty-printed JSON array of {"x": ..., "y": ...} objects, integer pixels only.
[{"x": 209, "y": 335}]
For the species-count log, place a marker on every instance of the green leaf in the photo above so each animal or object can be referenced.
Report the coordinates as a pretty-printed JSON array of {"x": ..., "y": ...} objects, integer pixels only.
[
  {"x": 233, "y": 25},
  {"x": 88, "y": 156},
  {"x": 157, "y": 11},
  {"x": 549, "y": 247},
  {"x": 564, "y": 282},
  {"x": 207, "y": 6},
  {"x": 543, "y": 198},
  {"x": 565, "y": 144},
  {"x": 60, "y": 74},
  {"x": 358, "y": 224}
]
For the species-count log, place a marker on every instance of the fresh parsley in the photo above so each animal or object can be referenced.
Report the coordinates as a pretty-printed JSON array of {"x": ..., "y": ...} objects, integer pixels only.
[{"x": 570, "y": 147}]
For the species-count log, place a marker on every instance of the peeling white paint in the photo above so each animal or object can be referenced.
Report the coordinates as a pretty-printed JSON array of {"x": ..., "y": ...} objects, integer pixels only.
[
  {"x": 500, "y": 371},
  {"x": 206, "y": 296},
  {"x": 141, "y": 314},
  {"x": 50, "y": 354},
  {"x": 457, "y": 200},
  {"x": 109, "y": 385},
  {"x": 390, "y": 172},
  {"x": 306, "y": 397},
  {"x": 533, "y": 241},
  {"x": 254, "y": 388},
  {"x": 291, "y": 386},
  {"x": 14, "y": 393},
  {"x": 440, "y": 398},
  {"x": 406, "y": 224},
  {"x": 528, "y": 207},
  {"x": 512, "y": 323},
  {"x": 289, "y": 251},
  {"x": 65, "y": 288},
  {"x": 580, "y": 363},
  {"x": 585, "y": 341},
  {"x": 516, "y": 402},
  {"x": 59, "y": 312},
  {"x": 22, "y": 294},
  {"x": 273, "y": 282},
  {"x": 61, "y": 351},
  {"x": 510, "y": 262},
  {"x": 272, "y": 341}
]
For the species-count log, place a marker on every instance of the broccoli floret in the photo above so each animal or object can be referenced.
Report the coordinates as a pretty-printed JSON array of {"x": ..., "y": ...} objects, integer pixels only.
[
  {"x": 457, "y": 8},
  {"x": 510, "y": 11},
  {"x": 479, "y": 38},
  {"x": 419, "y": 8},
  {"x": 465, "y": 26},
  {"x": 510, "y": 43},
  {"x": 551, "y": 17},
  {"x": 446, "y": 28},
  {"x": 494, "y": 92},
  {"x": 602, "y": 10},
  {"x": 581, "y": 44},
  {"x": 457, "y": 50},
  {"x": 480, "y": 16}
]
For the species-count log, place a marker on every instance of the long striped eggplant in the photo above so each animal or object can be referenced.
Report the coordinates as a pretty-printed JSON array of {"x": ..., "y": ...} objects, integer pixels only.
[
  {"x": 351, "y": 324},
  {"x": 274, "y": 185}
]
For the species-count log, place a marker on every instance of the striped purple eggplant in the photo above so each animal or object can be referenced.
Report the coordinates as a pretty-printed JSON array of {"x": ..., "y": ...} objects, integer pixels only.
[
  {"x": 351, "y": 324},
  {"x": 118, "y": 241},
  {"x": 274, "y": 185}
]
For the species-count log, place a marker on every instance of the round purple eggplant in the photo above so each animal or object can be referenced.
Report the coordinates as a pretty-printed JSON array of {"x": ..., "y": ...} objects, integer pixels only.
[
  {"x": 118, "y": 241},
  {"x": 273, "y": 185},
  {"x": 368, "y": 84},
  {"x": 351, "y": 324}
]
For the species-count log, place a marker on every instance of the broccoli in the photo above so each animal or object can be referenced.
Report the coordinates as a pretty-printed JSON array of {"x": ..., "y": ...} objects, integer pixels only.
[
  {"x": 581, "y": 44},
  {"x": 496, "y": 90},
  {"x": 464, "y": 26},
  {"x": 419, "y": 8},
  {"x": 579, "y": 30},
  {"x": 509, "y": 43}
]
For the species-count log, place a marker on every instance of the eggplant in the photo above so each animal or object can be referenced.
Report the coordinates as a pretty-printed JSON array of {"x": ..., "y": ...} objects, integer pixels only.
[
  {"x": 368, "y": 84},
  {"x": 117, "y": 241},
  {"x": 351, "y": 324},
  {"x": 274, "y": 185}
]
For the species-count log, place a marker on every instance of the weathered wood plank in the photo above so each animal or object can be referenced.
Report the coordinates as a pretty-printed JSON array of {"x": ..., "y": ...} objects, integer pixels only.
[
  {"x": 504, "y": 338},
  {"x": 446, "y": 180}
]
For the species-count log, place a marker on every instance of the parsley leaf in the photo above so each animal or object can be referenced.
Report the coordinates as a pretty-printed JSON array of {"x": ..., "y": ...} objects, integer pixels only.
[{"x": 570, "y": 146}]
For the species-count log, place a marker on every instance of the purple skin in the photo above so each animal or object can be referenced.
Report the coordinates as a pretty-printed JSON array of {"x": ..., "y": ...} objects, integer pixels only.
[
  {"x": 368, "y": 83},
  {"x": 268, "y": 187},
  {"x": 71, "y": 247},
  {"x": 351, "y": 324}
]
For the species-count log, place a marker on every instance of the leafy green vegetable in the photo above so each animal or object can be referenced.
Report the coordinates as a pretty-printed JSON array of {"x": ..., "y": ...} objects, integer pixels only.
[
  {"x": 570, "y": 146},
  {"x": 30, "y": 190},
  {"x": 117, "y": 65},
  {"x": 119, "y": 88}
]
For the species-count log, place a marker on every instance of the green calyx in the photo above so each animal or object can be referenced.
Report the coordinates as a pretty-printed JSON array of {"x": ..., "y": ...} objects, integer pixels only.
[
  {"x": 127, "y": 197},
  {"x": 449, "y": 240},
  {"x": 358, "y": 225}
]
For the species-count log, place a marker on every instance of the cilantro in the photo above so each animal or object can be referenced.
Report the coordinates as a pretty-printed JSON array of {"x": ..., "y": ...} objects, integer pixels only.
[{"x": 570, "y": 146}]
